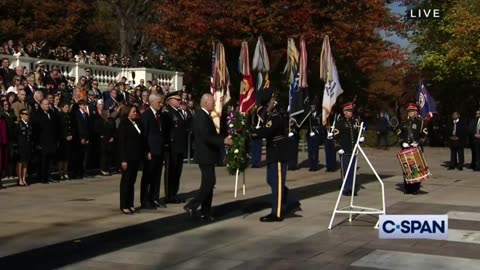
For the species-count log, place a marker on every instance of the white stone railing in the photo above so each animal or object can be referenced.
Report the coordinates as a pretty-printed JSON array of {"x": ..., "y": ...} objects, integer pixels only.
[{"x": 104, "y": 74}]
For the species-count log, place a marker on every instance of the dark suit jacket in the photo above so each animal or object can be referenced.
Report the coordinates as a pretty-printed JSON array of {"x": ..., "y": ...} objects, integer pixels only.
[
  {"x": 7, "y": 75},
  {"x": 207, "y": 141},
  {"x": 153, "y": 134},
  {"x": 461, "y": 132},
  {"x": 129, "y": 141},
  {"x": 29, "y": 91},
  {"x": 83, "y": 126},
  {"x": 45, "y": 131},
  {"x": 176, "y": 130},
  {"x": 121, "y": 98}
]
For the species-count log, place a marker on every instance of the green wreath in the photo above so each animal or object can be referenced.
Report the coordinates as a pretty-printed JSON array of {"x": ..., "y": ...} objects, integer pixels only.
[{"x": 237, "y": 154}]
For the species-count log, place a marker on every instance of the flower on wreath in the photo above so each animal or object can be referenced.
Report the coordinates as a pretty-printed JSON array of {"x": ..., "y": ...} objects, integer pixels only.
[{"x": 237, "y": 154}]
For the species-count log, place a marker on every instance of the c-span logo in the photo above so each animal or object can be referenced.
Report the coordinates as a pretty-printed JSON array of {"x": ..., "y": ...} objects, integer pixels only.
[{"x": 413, "y": 227}]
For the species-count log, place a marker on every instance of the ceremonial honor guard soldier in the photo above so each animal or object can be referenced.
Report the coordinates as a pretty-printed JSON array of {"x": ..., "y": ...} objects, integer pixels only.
[
  {"x": 256, "y": 143},
  {"x": 25, "y": 146},
  {"x": 314, "y": 137},
  {"x": 294, "y": 139},
  {"x": 275, "y": 130},
  {"x": 176, "y": 133},
  {"x": 412, "y": 133},
  {"x": 346, "y": 134},
  {"x": 330, "y": 154}
]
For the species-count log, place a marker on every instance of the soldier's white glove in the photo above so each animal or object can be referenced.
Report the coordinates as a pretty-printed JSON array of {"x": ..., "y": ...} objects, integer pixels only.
[
  {"x": 405, "y": 145},
  {"x": 414, "y": 144},
  {"x": 341, "y": 152},
  {"x": 329, "y": 135},
  {"x": 362, "y": 139},
  {"x": 290, "y": 134}
]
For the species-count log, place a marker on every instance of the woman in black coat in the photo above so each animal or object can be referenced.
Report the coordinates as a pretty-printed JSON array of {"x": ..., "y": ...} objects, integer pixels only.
[
  {"x": 130, "y": 154},
  {"x": 10, "y": 151},
  {"x": 105, "y": 128},
  {"x": 66, "y": 140}
]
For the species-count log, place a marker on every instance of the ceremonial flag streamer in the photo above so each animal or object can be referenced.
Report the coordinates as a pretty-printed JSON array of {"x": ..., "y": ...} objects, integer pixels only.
[
  {"x": 328, "y": 73},
  {"x": 261, "y": 64},
  {"x": 247, "y": 90},
  {"x": 295, "y": 105},
  {"x": 220, "y": 83},
  {"x": 426, "y": 102}
]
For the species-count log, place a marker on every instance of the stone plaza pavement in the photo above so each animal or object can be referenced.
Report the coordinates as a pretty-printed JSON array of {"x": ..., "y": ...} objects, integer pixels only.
[{"x": 78, "y": 224}]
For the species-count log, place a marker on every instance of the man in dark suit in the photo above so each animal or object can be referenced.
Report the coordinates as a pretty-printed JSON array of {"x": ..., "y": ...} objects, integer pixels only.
[
  {"x": 457, "y": 136},
  {"x": 122, "y": 94},
  {"x": 44, "y": 128},
  {"x": 208, "y": 145},
  {"x": 6, "y": 72},
  {"x": 154, "y": 140},
  {"x": 83, "y": 137},
  {"x": 175, "y": 120}
]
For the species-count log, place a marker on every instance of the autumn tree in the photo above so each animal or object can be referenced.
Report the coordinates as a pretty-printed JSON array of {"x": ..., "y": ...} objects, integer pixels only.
[
  {"x": 130, "y": 17},
  {"x": 448, "y": 52},
  {"x": 57, "y": 22},
  {"x": 187, "y": 28}
]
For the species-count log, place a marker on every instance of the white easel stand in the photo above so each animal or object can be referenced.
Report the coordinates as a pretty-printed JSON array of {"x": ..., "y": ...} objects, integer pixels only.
[
  {"x": 353, "y": 209},
  {"x": 236, "y": 182}
]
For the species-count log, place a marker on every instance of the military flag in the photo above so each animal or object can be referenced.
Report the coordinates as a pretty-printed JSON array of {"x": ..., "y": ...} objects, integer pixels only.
[
  {"x": 247, "y": 89},
  {"x": 328, "y": 73},
  {"x": 220, "y": 83},
  {"x": 425, "y": 101},
  {"x": 261, "y": 64}
]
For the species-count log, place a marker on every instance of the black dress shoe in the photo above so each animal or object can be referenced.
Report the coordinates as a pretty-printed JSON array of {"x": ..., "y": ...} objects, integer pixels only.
[
  {"x": 460, "y": 168},
  {"x": 270, "y": 218},
  {"x": 126, "y": 211},
  {"x": 173, "y": 201},
  {"x": 148, "y": 206},
  {"x": 347, "y": 193},
  {"x": 179, "y": 200},
  {"x": 207, "y": 218},
  {"x": 159, "y": 204},
  {"x": 190, "y": 211}
]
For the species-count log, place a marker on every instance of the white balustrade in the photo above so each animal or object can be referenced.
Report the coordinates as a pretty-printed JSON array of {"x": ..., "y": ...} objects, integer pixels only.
[{"x": 104, "y": 74}]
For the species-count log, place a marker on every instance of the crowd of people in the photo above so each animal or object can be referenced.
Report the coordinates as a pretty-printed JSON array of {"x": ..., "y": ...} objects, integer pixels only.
[
  {"x": 52, "y": 128},
  {"x": 62, "y": 53}
]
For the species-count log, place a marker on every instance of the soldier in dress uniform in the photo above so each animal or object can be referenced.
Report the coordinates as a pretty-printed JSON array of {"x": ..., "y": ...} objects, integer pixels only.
[
  {"x": 25, "y": 146},
  {"x": 346, "y": 134},
  {"x": 293, "y": 139},
  {"x": 314, "y": 138},
  {"x": 330, "y": 154},
  {"x": 412, "y": 133},
  {"x": 176, "y": 131},
  {"x": 275, "y": 130},
  {"x": 256, "y": 143}
]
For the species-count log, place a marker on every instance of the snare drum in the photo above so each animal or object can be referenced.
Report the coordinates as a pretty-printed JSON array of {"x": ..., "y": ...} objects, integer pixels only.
[{"x": 414, "y": 167}]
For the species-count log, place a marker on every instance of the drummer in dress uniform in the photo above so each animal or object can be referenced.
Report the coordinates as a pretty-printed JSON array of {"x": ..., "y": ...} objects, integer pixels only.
[
  {"x": 275, "y": 130},
  {"x": 176, "y": 130},
  {"x": 346, "y": 134},
  {"x": 25, "y": 146},
  {"x": 314, "y": 138},
  {"x": 412, "y": 133}
]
